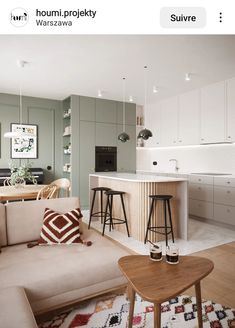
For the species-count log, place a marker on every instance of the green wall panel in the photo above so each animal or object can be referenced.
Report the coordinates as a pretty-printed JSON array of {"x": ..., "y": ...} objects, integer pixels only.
[{"x": 46, "y": 113}]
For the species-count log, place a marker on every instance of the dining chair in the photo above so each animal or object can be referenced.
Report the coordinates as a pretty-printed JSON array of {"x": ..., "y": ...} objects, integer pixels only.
[
  {"x": 47, "y": 192},
  {"x": 63, "y": 185},
  {"x": 7, "y": 182}
]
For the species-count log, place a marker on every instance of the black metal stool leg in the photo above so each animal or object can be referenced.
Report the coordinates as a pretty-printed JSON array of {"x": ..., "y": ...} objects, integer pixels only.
[
  {"x": 101, "y": 206},
  {"x": 124, "y": 212},
  {"x": 169, "y": 212},
  {"x": 111, "y": 213},
  {"x": 149, "y": 220},
  {"x": 92, "y": 207},
  {"x": 105, "y": 214},
  {"x": 166, "y": 235}
]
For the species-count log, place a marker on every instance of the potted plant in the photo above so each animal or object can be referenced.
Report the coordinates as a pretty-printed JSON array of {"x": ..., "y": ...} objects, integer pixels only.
[{"x": 21, "y": 174}]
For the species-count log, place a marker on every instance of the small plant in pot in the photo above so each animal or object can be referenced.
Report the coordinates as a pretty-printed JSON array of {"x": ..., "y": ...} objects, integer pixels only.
[{"x": 21, "y": 174}]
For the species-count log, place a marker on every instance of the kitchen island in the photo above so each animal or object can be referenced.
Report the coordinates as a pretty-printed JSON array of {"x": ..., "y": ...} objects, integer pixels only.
[{"x": 138, "y": 187}]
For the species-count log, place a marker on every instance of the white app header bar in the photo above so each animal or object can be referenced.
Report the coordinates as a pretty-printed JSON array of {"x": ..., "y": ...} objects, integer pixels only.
[{"x": 117, "y": 17}]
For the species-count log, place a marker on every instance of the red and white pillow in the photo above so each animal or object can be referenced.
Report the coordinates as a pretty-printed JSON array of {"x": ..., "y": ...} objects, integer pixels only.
[{"x": 60, "y": 228}]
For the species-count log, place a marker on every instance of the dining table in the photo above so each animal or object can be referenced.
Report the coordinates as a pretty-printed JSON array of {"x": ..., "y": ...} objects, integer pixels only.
[{"x": 30, "y": 191}]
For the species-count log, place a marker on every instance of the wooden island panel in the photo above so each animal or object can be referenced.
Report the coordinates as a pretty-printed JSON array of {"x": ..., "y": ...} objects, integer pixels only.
[{"x": 137, "y": 205}]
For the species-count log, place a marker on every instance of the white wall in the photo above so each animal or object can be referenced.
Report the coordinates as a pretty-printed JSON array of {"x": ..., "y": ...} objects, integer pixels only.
[{"x": 212, "y": 158}]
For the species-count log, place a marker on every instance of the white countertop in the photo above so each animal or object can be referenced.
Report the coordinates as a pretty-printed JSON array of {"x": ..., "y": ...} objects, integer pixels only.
[
  {"x": 185, "y": 174},
  {"x": 136, "y": 177}
]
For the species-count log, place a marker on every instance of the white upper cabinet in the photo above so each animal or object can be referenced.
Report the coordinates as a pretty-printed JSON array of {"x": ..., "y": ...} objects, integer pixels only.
[
  {"x": 153, "y": 123},
  {"x": 189, "y": 118},
  {"x": 213, "y": 113},
  {"x": 230, "y": 133},
  {"x": 200, "y": 116},
  {"x": 169, "y": 121}
]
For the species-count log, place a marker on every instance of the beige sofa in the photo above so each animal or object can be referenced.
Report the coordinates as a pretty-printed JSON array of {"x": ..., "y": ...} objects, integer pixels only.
[{"x": 52, "y": 276}]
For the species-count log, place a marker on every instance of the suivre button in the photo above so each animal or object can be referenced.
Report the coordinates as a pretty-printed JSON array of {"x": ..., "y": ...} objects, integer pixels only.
[{"x": 183, "y": 17}]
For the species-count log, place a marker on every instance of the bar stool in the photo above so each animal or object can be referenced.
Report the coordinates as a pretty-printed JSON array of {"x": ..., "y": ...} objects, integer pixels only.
[
  {"x": 109, "y": 204},
  {"x": 167, "y": 229},
  {"x": 101, "y": 213}
]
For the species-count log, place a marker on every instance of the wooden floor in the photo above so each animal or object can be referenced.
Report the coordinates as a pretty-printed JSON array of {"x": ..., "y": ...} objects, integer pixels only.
[{"x": 219, "y": 286}]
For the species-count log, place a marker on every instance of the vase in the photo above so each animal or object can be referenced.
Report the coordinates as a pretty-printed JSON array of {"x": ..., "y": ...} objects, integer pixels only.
[{"x": 19, "y": 183}]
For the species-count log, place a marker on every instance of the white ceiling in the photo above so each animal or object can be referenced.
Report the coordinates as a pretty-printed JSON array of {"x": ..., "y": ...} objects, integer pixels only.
[{"x": 60, "y": 65}]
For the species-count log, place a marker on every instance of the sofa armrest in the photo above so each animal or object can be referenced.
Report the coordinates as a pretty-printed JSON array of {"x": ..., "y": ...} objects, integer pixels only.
[{"x": 15, "y": 310}]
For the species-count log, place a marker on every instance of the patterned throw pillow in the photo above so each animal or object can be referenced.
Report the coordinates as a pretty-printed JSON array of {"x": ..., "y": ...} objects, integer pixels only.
[{"x": 60, "y": 228}]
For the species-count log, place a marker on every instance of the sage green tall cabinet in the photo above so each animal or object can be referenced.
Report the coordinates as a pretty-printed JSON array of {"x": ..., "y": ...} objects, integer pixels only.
[{"x": 97, "y": 122}]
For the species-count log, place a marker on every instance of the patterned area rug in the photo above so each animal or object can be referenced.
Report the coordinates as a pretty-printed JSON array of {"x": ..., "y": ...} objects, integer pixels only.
[{"x": 112, "y": 311}]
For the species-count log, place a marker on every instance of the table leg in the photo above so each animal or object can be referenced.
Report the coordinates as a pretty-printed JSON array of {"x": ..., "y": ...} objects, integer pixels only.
[
  {"x": 199, "y": 304},
  {"x": 131, "y": 295},
  {"x": 157, "y": 315}
]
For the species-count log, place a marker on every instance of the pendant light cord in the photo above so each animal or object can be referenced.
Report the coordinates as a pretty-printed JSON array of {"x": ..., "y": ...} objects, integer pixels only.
[
  {"x": 145, "y": 93},
  {"x": 123, "y": 104},
  {"x": 21, "y": 109},
  {"x": 21, "y": 64}
]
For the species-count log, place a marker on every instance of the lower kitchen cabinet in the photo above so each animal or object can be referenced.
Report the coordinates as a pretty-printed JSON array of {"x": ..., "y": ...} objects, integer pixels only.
[
  {"x": 201, "y": 192},
  {"x": 224, "y": 200},
  {"x": 224, "y": 195},
  {"x": 201, "y": 196},
  {"x": 212, "y": 198},
  {"x": 201, "y": 208},
  {"x": 224, "y": 214}
]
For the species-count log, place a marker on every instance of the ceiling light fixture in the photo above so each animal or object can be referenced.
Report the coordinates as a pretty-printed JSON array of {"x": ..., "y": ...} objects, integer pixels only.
[
  {"x": 145, "y": 133},
  {"x": 123, "y": 137},
  {"x": 131, "y": 99},
  {"x": 187, "y": 77},
  {"x": 100, "y": 94},
  {"x": 155, "y": 89},
  {"x": 18, "y": 134}
]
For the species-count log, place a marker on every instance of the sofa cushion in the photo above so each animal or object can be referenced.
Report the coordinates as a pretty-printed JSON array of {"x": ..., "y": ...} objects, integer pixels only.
[
  {"x": 24, "y": 219},
  {"x": 15, "y": 310},
  {"x": 60, "y": 228},
  {"x": 3, "y": 233},
  {"x": 49, "y": 272}
]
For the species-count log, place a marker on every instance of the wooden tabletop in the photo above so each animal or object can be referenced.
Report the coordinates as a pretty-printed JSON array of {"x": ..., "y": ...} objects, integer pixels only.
[
  {"x": 14, "y": 193},
  {"x": 157, "y": 282}
]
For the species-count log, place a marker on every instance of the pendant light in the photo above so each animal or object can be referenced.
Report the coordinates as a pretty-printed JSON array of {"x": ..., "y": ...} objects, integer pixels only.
[
  {"x": 123, "y": 137},
  {"x": 18, "y": 134},
  {"x": 145, "y": 133}
]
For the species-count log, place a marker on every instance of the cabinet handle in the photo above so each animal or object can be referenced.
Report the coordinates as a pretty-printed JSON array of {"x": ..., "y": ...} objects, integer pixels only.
[
  {"x": 180, "y": 140},
  {"x": 229, "y": 137},
  {"x": 228, "y": 182},
  {"x": 228, "y": 191},
  {"x": 199, "y": 179},
  {"x": 199, "y": 188},
  {"x": 202, "y": 139}
]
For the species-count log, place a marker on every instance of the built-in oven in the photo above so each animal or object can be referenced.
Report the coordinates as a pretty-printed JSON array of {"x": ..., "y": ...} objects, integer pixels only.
[{"x": 105, "y": 158}]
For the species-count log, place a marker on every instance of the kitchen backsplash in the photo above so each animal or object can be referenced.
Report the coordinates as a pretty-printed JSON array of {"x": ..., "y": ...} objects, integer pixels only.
[{"x": 207, "y": 158}]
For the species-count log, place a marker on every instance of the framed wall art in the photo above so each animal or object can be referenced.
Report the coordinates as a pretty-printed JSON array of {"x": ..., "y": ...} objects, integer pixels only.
[{"x": 26, "y": 145}]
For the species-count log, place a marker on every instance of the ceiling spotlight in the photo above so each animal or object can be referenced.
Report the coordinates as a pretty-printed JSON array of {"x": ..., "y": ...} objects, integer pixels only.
[
  {"x": 155, "y": 89},
  {"x": 187, "y": 77},
  {"x": 100, "y": 93},
  {"x": 130, "y": 98}
]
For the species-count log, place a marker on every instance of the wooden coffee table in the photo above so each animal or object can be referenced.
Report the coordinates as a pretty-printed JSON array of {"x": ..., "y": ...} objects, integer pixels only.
[{"x": 158, "y": 282}]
